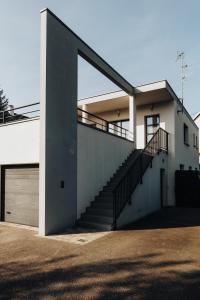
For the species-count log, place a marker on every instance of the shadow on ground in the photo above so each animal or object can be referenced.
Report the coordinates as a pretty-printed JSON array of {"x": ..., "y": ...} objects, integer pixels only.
[
  {"x": 130, "y": 264},
  {"x": 172, "y": 217},
  {"x": 108, "y": 279}
]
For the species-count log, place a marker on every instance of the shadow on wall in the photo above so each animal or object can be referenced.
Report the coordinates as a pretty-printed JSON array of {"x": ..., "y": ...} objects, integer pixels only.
[{"x": 145, "y": 277}]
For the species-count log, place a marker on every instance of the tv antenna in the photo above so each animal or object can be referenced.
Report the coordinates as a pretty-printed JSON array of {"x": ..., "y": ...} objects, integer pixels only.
[{"x": 184, "y": 66}]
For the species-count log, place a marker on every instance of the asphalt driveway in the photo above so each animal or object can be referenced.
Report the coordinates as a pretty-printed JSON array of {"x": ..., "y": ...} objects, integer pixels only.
[{"x": 159, "y": 258}]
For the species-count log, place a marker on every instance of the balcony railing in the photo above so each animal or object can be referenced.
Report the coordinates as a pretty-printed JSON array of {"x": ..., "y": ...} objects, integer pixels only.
[
  {"x": 33, "y": 110},
  {"x": 97, "y": 122},
  {"x": 20, "y": 113}
]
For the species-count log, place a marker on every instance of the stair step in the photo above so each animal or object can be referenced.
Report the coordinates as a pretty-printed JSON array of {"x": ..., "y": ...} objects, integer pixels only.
[
  {"x": 105, "y": 194},
  {"x": 96, "y": 218},
  {"x": 108, "y": 188},
  {"x": 100, "y": 211},
  {"x": 104, "y": 197},
  {"x": 94, "y": 225},
  {"x": 102, "y": 205},
  {"x": 118, "y": 176},
  {"x": 99, "y": 215},
  {"x": 112, "y": 182}
]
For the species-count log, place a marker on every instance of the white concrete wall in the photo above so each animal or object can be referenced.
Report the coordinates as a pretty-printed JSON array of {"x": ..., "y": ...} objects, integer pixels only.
[
  {"x": 186, "y": 155},
  {"x": 58, "y": 126},
  {"x": 20, "y": 142},
  {"x": 166, "y": 110},
  {"x": 179, "y": 153},
  {"x": 99, "y": 155},
  {"x": 146, "y": 197}
]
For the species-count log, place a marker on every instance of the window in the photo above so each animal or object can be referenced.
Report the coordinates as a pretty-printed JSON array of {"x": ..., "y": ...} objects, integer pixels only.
[
  {"x": 195, "y": 141},
  {"x": 186, "y": 134},
  {"x": 123, "y": 124},
  {"x": 152, "y": 124}
]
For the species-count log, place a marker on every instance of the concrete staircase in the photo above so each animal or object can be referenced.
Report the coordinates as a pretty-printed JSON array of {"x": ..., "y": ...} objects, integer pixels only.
[{"x": 99, "y": 215}]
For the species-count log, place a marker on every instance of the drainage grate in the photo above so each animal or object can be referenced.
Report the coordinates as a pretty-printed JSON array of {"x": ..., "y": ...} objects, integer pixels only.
[{"x": 82, "y": 240}]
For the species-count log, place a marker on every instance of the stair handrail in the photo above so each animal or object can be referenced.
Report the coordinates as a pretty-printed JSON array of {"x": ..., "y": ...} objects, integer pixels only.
[{"x": 125, "y": 186}]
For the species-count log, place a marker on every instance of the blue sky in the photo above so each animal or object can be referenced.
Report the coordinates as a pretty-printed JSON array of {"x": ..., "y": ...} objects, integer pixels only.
[{"x": 140, "y": 39}]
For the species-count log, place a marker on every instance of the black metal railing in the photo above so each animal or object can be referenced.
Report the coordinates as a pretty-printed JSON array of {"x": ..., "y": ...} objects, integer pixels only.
[
  {"x": 99, "y": 123},
  {"x": 126, "y": 185},
  {"x": 20, "y": 113},
  {"x": 33, "y": 111}
]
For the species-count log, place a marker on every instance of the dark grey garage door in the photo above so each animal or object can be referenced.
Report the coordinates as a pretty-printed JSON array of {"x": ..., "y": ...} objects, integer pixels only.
[{"x": 21, "y": 195}]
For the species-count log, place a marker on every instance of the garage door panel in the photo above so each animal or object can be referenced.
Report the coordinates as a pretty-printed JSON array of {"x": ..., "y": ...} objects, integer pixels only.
[
  {"x": 21, "y": 201},
  {"x": 22, "y": 195},
  {"x": 21, "y": 188},
  {"x": 26, "y": 218}
]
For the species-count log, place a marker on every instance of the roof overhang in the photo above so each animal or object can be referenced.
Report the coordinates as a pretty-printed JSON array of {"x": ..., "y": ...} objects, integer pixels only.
[
  {"x": 106, "y": 102},
  {"x": 196, "y": 116},
  {"x": 156, "y": 92}
]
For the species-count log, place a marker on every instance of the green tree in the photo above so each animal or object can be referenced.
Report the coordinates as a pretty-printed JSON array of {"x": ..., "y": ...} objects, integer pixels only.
[
  {"x": 3, "y": 107},
  {"x": 3, "y": 101}
]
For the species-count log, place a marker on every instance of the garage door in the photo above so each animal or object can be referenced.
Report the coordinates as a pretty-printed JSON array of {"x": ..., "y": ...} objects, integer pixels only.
[{"x": 21, "y": 195}]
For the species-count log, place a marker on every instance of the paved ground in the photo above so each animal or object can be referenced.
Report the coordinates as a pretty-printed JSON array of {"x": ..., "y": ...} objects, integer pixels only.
[{"x": 158, "y": 258}]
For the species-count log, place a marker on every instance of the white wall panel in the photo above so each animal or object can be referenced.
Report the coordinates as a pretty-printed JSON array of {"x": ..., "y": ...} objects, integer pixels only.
[
  {"x": 99, "y": 156},
  {"x": 19, "y": 142}
]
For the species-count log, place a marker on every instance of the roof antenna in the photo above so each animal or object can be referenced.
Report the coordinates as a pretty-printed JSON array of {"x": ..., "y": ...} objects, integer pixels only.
[{"x": 181, "y": 57}]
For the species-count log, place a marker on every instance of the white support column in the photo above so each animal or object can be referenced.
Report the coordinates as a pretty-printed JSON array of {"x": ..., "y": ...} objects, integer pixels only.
[
  {"x": 60, "y": 48},
  {"x": 58, "y": 128},
  {"x": 84, "y": 114},
  {"x": 132, "y": 118}
]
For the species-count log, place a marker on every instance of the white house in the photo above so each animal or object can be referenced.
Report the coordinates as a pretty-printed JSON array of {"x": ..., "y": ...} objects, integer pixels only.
[
  {"x": 157, "y": 106},
  {"x": 103, "y": 164}
]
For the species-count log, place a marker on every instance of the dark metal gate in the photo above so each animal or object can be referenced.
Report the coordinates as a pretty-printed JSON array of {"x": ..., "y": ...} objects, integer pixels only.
[{"x": 187, "y": 188}]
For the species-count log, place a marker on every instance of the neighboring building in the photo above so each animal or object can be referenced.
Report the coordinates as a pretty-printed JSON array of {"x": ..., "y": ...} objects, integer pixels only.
[
  {"x": 85, "y": 165},
  {"x": 197, "y": 121},
  {"x": 156, "y": 106}
]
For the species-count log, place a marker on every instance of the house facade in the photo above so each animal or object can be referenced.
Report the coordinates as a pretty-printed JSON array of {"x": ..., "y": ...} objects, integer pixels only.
[
  {"x": 157, "y": 106},
  {"x": 102, "y": 163}
]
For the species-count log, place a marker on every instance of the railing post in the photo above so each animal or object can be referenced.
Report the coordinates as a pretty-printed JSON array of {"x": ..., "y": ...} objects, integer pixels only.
[
  {"x": 141, "y": 165},
  {"x": 167, "y": 136},
  {"x": 107, "y": 126},
  {"x": 158, "y": 144},
  {"x": 160, "y": 139}
]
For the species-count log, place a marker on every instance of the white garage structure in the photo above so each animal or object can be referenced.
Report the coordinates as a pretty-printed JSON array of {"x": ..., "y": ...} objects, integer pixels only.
[{"x": 19, "y": 160}]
